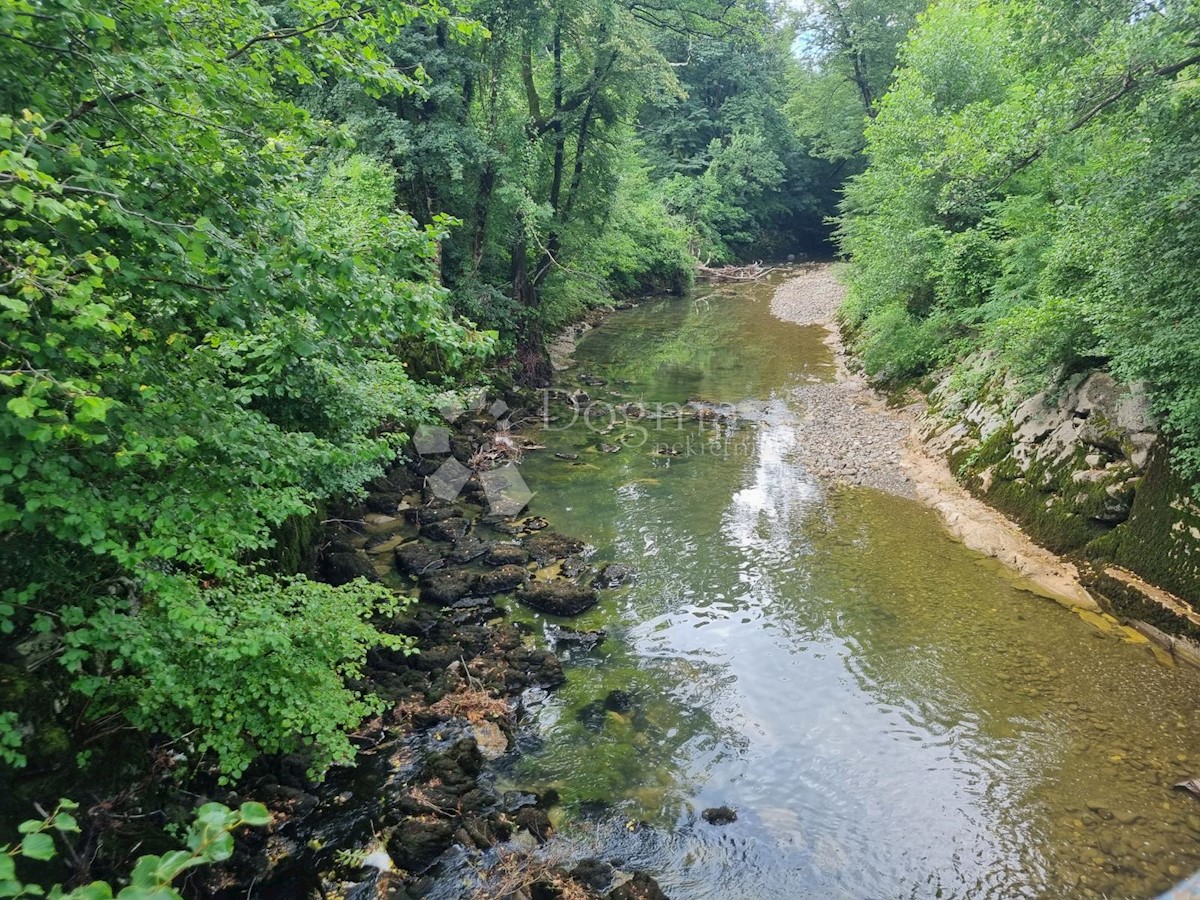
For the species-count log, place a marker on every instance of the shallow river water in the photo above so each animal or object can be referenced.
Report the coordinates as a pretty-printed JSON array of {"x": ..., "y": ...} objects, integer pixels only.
[{"x": 890, "y": 714}]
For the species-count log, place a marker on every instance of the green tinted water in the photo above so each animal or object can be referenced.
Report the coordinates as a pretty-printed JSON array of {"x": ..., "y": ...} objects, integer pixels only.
[{"x": 890, "y": 714}]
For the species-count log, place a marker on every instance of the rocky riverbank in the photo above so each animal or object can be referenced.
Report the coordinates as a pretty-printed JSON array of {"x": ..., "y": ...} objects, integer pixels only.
[
  {"x": 1071, "y": 491},
  {"x": 419, "y": 814}
]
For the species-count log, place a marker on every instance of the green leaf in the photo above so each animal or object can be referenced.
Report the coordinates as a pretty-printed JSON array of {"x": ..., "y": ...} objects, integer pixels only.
[
  {"x": 90, "y": 409},
  {"x": 22, "y": 407},
  {"x": 254, "y": 814},
  {"x": 38, "y": 846},
  {"x": 22, "y": 195}
]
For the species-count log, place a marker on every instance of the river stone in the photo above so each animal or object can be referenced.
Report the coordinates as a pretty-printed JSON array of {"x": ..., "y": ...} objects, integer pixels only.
[
  {"x": 535, "y": 821},
  {"x": 447, "y": 586},
  {"x": 474, "y": 610},
  {"x": 418, "y": 557},
  {"x": 720, "y": 815},
  {"x": 505, "y": 578},
  {"x": 561, "y": 635},
  {"x": 613, "y": 575},
  {"x": 506, "y": 555},
  {"x": 469, "y": 548},
  {"x": 417, "y": 843},
  {"x": 640, "y": 887},
  {"x": 434, "y": 512},
  {"x": 593, "y": 873},
  {"x": 385, "y": 503},
  {"x": 558, "y": 598},
  {"x": 491, "y": 740},
  {"x": 546, "y": 546},
  {"x": 573, "y": 566},
  {"x": 450, "y": 529},
  {"x": 343, "y": 567}
]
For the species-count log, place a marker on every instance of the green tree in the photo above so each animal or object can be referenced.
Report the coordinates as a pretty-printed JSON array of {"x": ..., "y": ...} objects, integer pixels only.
[{"x": 199, "y": 325}]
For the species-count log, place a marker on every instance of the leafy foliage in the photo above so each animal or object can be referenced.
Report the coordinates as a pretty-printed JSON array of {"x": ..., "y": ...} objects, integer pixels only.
[
  {"x": 1030, "y": 190},
  {"x": 209, "y": 840},
  {"x": 200, "y": 314}
]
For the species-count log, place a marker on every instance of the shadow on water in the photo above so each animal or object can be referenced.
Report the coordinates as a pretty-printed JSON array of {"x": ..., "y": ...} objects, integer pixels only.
[{"x": 890, "y": 714}]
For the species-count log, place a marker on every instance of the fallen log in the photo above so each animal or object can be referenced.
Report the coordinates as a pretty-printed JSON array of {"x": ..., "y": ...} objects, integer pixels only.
[{"x": 753, "y": 272}]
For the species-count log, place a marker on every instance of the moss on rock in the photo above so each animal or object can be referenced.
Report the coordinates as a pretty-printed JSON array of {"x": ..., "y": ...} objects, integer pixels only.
[{"x": 1161, "y": 539}]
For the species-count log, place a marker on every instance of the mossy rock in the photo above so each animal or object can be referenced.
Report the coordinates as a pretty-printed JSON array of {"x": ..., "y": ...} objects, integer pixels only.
[
  {"x": 1126, "y": 601},
  {"x": 1043, "y": 498},
  {"x": 1161, "y": 539}
]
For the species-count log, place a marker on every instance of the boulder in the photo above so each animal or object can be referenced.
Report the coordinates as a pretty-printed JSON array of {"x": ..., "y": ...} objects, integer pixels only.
[
  {"x": 558, "y": 598},
  {"x": 719, "y": 815},
  {"x": 501, "y": 580},
  {"x": 343, "y": 567},
  {"x": 418, "y": 557},
  {"x": 640, "y": 887},
  {"x": 506, "y": 555},
  {"x": 417, "y": 842},
  {"x": 447, "y": 586}
]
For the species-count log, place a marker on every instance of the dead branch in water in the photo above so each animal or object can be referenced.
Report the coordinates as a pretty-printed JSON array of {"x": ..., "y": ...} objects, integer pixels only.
[{"x": 752, "y": 272}]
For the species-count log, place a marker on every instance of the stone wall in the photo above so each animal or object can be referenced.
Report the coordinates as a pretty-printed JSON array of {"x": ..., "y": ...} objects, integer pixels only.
[{"x": 1085, "y": 473}]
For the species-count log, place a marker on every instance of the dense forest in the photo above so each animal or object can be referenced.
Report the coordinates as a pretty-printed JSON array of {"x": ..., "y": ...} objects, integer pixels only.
[
  {"x": 248, "y": 245},
  {"x": 1030, "y": 201}
]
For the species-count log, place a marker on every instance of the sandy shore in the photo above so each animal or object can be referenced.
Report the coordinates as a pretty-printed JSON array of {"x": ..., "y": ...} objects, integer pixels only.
[{"x": 856, "y": 438}]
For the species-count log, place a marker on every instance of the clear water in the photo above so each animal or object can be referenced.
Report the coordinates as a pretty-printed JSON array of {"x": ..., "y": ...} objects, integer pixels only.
[{"x": 890, "y": 714}]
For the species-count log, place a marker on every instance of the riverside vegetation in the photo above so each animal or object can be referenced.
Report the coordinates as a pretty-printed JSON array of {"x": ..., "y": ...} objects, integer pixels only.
[{"x": 248, "y": 248}]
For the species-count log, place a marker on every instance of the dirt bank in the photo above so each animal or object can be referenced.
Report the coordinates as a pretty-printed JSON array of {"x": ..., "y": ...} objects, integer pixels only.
[{"x": 857, "y": 438}]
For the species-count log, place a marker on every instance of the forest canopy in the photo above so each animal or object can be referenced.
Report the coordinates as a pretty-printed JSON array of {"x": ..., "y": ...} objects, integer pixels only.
[
  {"x": 246, "y": 244},
  {"x": 1030, "y": 199}
]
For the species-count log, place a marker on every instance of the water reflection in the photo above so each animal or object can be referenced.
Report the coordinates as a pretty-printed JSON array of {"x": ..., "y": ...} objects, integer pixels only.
[{"x": 890, "y": 714}]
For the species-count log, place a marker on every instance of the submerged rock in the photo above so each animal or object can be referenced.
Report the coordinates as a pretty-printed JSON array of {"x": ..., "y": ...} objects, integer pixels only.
[
  {"x": 719, "y": 815},
  {"x": 614, "y": 575},
  {"x": 592, "y": 716},
  {"x": 619, "y": 701},
  {"x": 558, "y": 598},
  {"x": 584, "y": 640}
]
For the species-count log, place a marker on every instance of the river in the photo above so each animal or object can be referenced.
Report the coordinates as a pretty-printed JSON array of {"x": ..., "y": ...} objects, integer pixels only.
[{"x": 890, "y": 714}]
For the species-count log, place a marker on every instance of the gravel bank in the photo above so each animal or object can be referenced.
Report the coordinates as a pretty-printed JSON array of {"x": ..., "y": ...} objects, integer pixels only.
[
  {"x": 850, "y": 436},
  {"x": 854, "y": 437}
]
